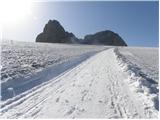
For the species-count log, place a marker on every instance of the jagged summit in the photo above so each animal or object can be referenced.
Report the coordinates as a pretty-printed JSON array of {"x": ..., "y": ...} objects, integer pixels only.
[
  {"x": 53, "y": 26},
  {"x": 54, "y": 32}
]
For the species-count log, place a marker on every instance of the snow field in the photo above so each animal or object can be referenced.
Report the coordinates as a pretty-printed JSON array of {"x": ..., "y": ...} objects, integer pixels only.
[
  {"x": 145, "y": 89},
  {"x": 25, "y": 65},
  {"x": 103, "y": 86}
]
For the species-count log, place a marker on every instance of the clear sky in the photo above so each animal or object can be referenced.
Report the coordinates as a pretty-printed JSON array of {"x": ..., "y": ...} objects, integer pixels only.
[{"x": 135, "y": 22}]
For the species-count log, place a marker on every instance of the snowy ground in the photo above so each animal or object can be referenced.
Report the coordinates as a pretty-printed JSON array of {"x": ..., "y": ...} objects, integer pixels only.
[
  {"x": 113, "y": 83},
  {"x": 145, "y": 59},
  {"x": 23, "y": 64}
]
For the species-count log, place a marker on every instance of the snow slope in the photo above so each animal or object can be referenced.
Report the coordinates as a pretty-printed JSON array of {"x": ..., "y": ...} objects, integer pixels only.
[
  {"x": 23, "y": 64},
  {"x": 146, "y": 59},
  {"x": 106, "y": 85}
]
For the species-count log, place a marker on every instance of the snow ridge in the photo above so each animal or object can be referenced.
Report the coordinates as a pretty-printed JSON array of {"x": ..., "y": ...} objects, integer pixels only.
[{"x": 146, "y": 89}]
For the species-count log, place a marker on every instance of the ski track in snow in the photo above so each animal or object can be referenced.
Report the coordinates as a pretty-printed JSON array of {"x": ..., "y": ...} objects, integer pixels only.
[
  {"x": 97, "y": 88},
  {"x": 26, "y": 65}
]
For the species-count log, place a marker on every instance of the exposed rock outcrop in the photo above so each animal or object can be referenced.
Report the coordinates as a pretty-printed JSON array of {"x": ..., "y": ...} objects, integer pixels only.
[
  {"x": 53, "y": 32},
  {"x": 106, "y": 38}
]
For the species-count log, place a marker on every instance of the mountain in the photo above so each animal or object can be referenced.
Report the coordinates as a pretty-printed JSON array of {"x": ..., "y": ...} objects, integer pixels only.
[
  {"x": 53, "y": 32},
  {"x": 105, "y": 37}
]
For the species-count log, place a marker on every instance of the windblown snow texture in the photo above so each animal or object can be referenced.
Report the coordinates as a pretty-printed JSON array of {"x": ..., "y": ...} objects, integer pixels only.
[
  {"x": 24, "y": 64},
  {"x": 92, "y": 82}
]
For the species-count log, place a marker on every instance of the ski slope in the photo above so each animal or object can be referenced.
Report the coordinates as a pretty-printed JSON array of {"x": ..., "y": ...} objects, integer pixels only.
[{"x": 108, "y": 84}]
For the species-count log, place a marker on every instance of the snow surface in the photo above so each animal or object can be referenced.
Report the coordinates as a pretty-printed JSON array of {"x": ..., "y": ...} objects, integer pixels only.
[
  {"x": 23, "y": 64},
  {"x": 102, "y": 82},
  {"x": 146, "y": 59}
]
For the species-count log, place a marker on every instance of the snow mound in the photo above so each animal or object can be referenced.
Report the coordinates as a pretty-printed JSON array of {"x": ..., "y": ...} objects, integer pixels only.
[
  {"x": 145, "y": 87},
  {"x": 146, "y": 59}
]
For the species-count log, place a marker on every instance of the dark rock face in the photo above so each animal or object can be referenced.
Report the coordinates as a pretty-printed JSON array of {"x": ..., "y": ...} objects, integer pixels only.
[
  {"x": 53, "y": 32},
  {"x": 71, "y": 38},
  {"x": 106, "y": 38}
]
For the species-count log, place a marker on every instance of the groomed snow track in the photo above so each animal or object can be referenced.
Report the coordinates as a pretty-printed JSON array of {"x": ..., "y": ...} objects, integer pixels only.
[{"x": 97, "y": 88}]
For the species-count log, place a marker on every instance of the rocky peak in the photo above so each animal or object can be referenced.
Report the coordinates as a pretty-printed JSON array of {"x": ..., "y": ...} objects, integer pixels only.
[
  {"x": 53, "y": 32},
  {"x": 106, "y": 37},
  {"x": 53, "y": 26}
]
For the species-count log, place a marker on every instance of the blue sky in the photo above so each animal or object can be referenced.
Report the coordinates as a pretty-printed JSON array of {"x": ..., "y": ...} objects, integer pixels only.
[{"x": 135, "y": 22}]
